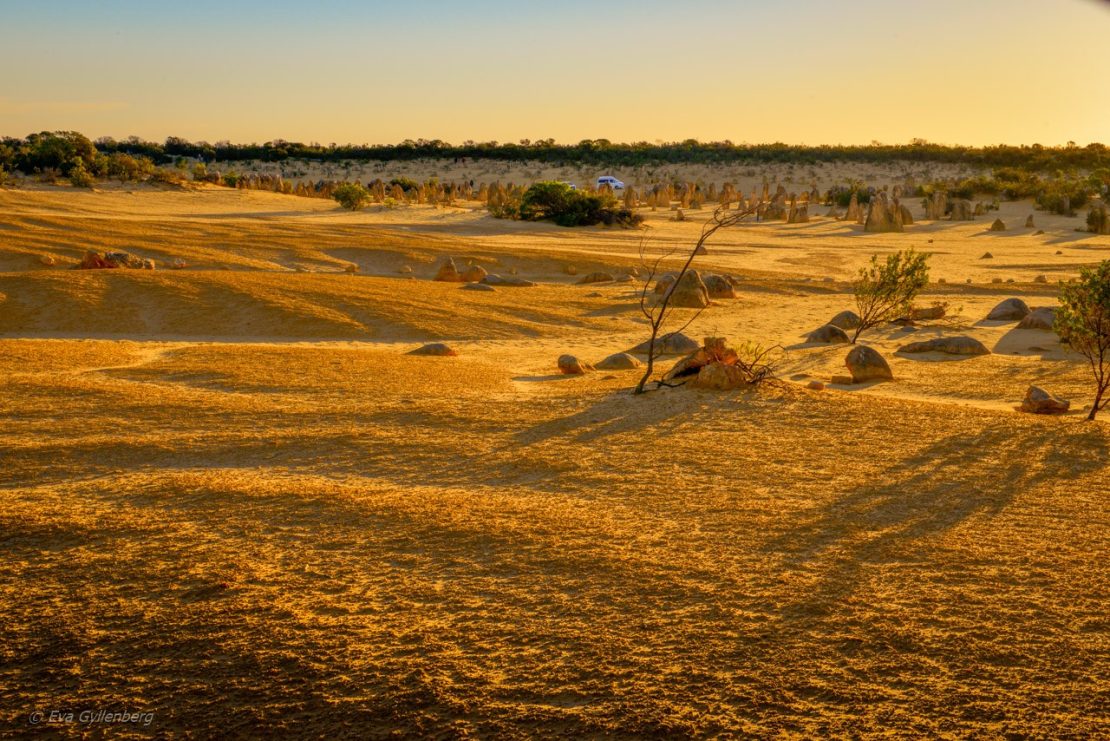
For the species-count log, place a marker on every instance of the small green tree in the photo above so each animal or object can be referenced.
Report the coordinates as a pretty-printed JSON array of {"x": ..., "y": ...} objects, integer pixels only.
[
  {"x": 1083, "y": 320},
  {"x": 886, "y": 290},
  {"x": 351, "y": 195}
]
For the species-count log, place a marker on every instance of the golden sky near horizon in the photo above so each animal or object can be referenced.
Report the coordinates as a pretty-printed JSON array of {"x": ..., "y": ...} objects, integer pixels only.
[{"x": 984, "y": 72}]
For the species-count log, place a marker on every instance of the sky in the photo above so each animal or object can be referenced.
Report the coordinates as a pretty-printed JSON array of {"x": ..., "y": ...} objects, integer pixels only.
[{"x": 973, "y": 72}]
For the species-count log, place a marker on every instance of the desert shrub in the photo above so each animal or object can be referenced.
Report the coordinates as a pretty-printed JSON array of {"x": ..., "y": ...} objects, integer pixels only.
[
  {"x": 79, "y": 177},
  {"x": 885, "y": 290},
  {"x": 405, "y": 184},
  {"x": 1063, "y": 196},
  {"x": 558, "y": 202},
  {"x": 1083, "y": 320},
  {"x": 351, "y": 196},
  {"x": 125, "y": 168},
  {"x": 841, "y": 195},
  {"x": 231, "y": 180},
  {"x": 167, "y": 176}
]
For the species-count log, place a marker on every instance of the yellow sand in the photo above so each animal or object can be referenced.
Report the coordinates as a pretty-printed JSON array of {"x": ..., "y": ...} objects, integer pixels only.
[{"x": 230, "y": 499}]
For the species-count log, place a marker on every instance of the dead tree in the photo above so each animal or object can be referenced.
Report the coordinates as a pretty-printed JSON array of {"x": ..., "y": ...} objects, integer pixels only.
[{"x": 658, "y": 312}]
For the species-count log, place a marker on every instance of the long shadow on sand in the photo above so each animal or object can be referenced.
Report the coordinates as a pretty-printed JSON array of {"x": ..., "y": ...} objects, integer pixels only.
[{"x": 925, "y": 495}]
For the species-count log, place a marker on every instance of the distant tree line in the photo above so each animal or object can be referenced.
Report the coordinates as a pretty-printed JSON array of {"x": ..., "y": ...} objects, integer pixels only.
[{"x": 43, "y": 150}]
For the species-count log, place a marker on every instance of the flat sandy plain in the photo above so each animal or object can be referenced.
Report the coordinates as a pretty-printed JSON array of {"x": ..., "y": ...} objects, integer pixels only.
[{"x": 230, "y": 499}]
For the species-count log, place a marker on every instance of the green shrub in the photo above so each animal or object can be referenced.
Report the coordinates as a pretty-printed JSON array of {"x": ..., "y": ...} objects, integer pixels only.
[
  {"x": 885, "y": 291},
  {"x": 565, "y": 206},
  {"x": 351, "y": 196},
  {"x": 79, "y": 177},
  {"x": 1083, "y": 320}
]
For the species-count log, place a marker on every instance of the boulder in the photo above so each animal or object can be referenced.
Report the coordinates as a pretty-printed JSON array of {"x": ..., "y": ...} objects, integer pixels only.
[
  {"x": 926, "y": 313},
  {"x": 998, "y": 226},
  {"x": 1043, "y": 317},
  {"x": 866, "y": 364},
  {"x": 827, "y": 335},
  {"x": 672, "y": 343},
  {"x": 845, "y": 320},
  {"x": 961, "y": 210},
  {"x": 1012, "y": 309},
  {"x": 595, "y": 278},
  {"x": 94, "y": 261},
  {"x": 815, "y": 386},
  {"x": 883, "y": 215},
  {"x": 987, "y": 256},
  {"x": 690, "y": 292},
  {"x": 665, "y": 281},
  {"x": 720, "y": 377},
  {"x": 961, "y": 345},
  {"x": 854, "y": 212},
  {"x": 437, "y": 349},
  {"x": 718, "y": 286},
  {"x": 936, "y": 205},
  {"x": 907, "y": 215},
  {"x": 476, "y": 287},
  {"x": 798, "y": 214},
  {"x": 447, "y": 272},
  {"x": 1039, "y": 401},
  {"x": 493, "y": 279},
  {"x": 619, "y": 361},
  {"x": 572, "y": 366},
  {"x": 713, "y": 350},
  {"x": 473, "y": 274}
]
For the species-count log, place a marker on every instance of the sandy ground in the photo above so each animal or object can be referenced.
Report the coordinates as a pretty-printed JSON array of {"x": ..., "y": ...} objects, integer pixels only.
[{"x": 228, "y": 498}]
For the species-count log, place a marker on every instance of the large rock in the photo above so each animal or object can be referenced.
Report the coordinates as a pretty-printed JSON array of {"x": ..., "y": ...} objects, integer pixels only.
[
  {"x": 845, "y": 320},
  {"x": 720, "y": 377},
  {"x": 998, "y": 226},
  {"x": 672, "y": 343},
  {"x": 572, "y": 366},
  {"x": 473, "y": 274},
  {"x": 493, "y": 279},
  {"x": 666, "y": 280},
  {"x": 717, "y": 286},
  {"x": 1039, "y": 401},
  {"x": 713, "y": 350},
  {"x": 883, "y": 215},
  {"x": 447, "y": 272},
  {"x": 1043, "y": 317},
  {"x": 1012, "y": 309},
  {"x": 962, "y": 210},
  {"x": 830, "y": 334},
  {"x": 437, "y": 349},
  {"x": 689, "y": 292},
  {"x": 595, "y": 278},
  {"x": 936, "y": 205},
  {"x": 866, "y": 364},
  {"x": 961, "y": 345},
  {"x": 619, "y": 361},
  {"x": 853, "y": 213}
]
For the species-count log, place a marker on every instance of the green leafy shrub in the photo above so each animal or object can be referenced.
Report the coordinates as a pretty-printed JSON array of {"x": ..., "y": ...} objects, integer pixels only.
[
  {"x": 79, "y": 177},
  {"x": 1083, "y": 320},
  {"x": 885, "y": 290},
  {"x": 558, "y": 202},
  {"x": 351, "y": 196}
]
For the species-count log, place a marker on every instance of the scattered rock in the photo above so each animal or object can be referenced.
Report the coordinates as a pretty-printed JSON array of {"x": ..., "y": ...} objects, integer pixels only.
[
  {"x": 1029, "y": 222},
  {"x": 841, "y": 381},
  {"x": 1043, "y": 317},
  {"x": 493, "y": 279},
  {"x": 473, "y": 274},
  {"x": 719, "y": 287},
  {"x": 351, "y": 268},
  {"x": 1041, "y": 279},
  {"x": 437, "y": 349},
  {"x": 996, "y": 280},
  {"x": 720, "y": 377},
  {"x": 845, "y": 320},
  {"x": 1012, "y": 309},
  {"x": 570, "y": 270},
  {"x": 712, "y": 351},
  {"x": 476, "y": 287},
  {"x": 447, "y": 272},
  {"x": 926, "y": 313},
  {"x": 883, "y": 215},
  {"x": 830, "y": 334},
  {"x": 672, "y": 343},
  {"x": 619, "y": 361},
  {"x": 962, "y": 345},
  {"x": 986, "y": 256},
  {"x": 815, "y": 386},
  {"x": 405, "y": 269},
  {"x": 961, "y": 210},
  {"x": 1039, "y": 401},
  {"x": 595, "y": 278},
  {"x": 572, "y": 366},
  {"x": 690, "y": 292},
  {"x": 1059, "y": 252},
  {"x": 866, "y": 364},
  {"x": 48, "y": 260},
  {"x": 998, "y": 226}
]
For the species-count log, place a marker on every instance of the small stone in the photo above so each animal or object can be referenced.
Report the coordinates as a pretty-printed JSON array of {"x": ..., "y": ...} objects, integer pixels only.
[
  {"x": 572, "y": 366},
  {"x": 437, "y": 349},
  {"x": 815, "y": 386}
]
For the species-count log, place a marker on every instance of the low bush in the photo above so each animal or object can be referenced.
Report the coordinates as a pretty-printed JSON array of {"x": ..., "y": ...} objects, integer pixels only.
[
  {"x": 351, "y": 196},
  {"x": 558, "y": 202}
]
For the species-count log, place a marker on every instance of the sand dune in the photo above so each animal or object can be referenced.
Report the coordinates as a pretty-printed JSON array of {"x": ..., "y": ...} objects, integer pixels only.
[{"x": 230, "y": 497}]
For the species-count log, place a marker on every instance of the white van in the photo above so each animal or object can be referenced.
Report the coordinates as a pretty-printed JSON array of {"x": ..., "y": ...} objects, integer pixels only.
[{"x": 611, "y": 181}]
